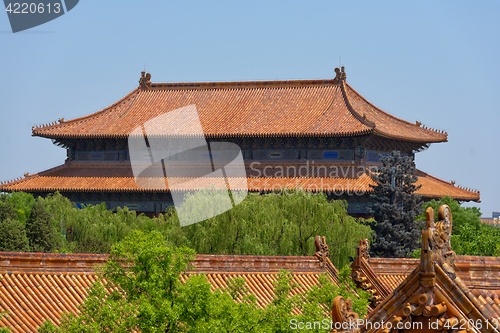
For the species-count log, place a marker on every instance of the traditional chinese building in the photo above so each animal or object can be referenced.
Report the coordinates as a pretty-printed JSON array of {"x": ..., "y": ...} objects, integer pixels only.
[{"x": 319, "y": 135}]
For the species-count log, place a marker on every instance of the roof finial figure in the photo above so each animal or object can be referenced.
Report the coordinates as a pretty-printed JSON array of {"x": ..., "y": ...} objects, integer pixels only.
[
  {"x": 145, "y": 80},
  {"x": 437, "y": 235},
  {"x": 337, "y": 74},
  {"x": 322, "y": 251},
  {"x": 343, "y": 315},
  {"x": 340, "y": 74}
]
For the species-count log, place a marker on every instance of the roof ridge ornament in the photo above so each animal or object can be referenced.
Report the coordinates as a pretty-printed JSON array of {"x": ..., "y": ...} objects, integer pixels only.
[
  {"x": 145, "y": 80},
  {"x": 322, "y": 251},
  {"x": 363, "y": 249},
  {"x": 340, "y": 74},
  {"x": 436, "y": 241},
  {"x": 343, "y": 315}
]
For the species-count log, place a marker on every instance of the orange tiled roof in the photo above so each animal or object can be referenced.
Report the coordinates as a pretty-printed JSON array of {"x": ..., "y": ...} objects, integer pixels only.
[
  {"x": 491, "y": 221},
  {"x": 481, "y": 274},
  {"x": 260, "y": 272},
  {"x": 118, "y": 178},
  {"x": 39, "y": 286},
  {"x": 432, "y": 185},
  {"x": 248, "y": 109}
]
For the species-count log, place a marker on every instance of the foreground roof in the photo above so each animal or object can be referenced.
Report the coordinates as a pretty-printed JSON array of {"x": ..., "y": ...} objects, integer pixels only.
[
  {"x": 35, "y": 287},
  {"x": 74, "y": 177},
  {"x": 480, "y": 274},
  {"x": 295, "y": 108},
  {"x": 441, "y": 292}
]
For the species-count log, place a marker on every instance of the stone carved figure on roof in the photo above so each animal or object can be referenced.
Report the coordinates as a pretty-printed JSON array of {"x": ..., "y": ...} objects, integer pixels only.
[
  {"x": 340, "y": 74},
  {"x": 441, "y": 235},
  {"x": 342, "y": 312},
  {"x": 322, "y": 251},
  {"x": 145, "y": 80},
  {"x": 364, "y": 246}
]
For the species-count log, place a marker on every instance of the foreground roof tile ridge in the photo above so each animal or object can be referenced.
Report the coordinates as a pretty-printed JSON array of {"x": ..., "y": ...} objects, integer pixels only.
[
  {"x": 38, "y": 286},
  {"x": 481, "y": 274},
  {"x": 365, "y": 277},
  {"x": 433, "y": 294}
]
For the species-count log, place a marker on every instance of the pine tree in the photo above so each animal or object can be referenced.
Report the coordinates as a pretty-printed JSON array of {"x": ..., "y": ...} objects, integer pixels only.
[
  {"x": 395, "y": 208},
  {"x": 13, "y": 236},
  {"x": 42, "y": 235}
]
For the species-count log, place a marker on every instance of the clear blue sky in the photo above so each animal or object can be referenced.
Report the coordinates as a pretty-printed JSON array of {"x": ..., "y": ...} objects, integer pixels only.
[{"x": 433, "y": 61}]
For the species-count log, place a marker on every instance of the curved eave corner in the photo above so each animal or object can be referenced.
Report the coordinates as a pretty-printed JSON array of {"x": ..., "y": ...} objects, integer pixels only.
[
  {"x": 424, "y": 134},
  {"x": 47, "y": 130}
]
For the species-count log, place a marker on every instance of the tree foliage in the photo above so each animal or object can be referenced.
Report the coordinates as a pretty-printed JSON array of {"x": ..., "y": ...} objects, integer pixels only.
[
  {"x": 42, "y": 234},
  {"x": 272, "y": 224},
  {"x": 395, "y": 208},
  {"x": 13, "y": 236},
  {"x": 140, "y": 290}
]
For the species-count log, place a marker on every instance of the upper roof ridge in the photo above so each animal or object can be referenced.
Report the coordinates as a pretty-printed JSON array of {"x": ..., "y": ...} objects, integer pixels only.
[{"x": 251, "y": 84}]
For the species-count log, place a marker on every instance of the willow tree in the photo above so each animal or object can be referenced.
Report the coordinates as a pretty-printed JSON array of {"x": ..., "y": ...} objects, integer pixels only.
[{"x": 282, "y": 223}]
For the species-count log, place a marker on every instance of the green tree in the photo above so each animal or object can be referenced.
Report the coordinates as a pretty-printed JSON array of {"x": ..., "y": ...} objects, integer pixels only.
[
  {"x": 14, "y": 209},
  {"x": 93, "y": 228},
  {"x": 272, "y": 224},
  {"x": 140, "y": 290},
  {"x": 13, "y": 236},
  {"x": 395, "y": 208},
  {"x": 43, "y": 236},
  {"x": 7, "y": 210},
  {"x": 20, "y": 205}
]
